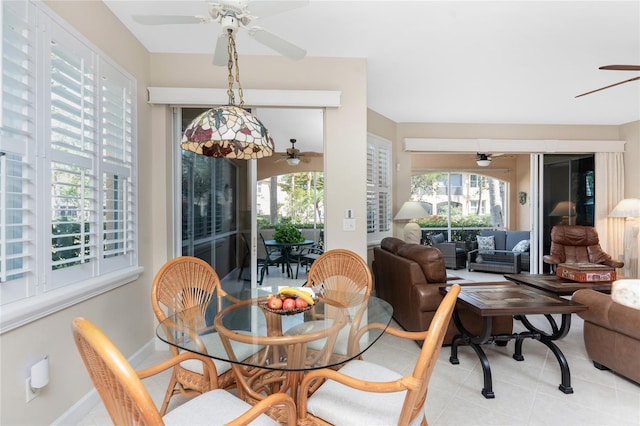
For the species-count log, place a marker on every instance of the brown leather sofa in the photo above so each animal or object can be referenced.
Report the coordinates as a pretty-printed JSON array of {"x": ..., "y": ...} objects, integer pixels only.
[
  {"x": 409, "y": 277},
  {"x": 611, "y": 333},
  {"x": 577, "y": 244}
]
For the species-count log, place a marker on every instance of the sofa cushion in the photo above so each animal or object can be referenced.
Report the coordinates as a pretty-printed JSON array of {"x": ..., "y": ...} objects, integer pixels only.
[
  {"x": 499, "y": 237},
  {"x": 486, "y": 244},
  {"x": 430, "y": 260},
  {"x": 521, "y": 247},
  {"x": 391, "y": 244},
  {"x": 514, "y": 237},
  {"x": 437, "y": 239}
]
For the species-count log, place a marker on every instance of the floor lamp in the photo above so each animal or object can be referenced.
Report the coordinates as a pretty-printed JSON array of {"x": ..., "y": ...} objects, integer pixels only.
[
  {"x": 411, "y": 210},
  {"x": 629, "y": 208}
]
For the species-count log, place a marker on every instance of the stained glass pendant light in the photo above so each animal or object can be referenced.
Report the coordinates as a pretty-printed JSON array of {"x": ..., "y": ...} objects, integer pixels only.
[{"x": 228, "y": 131}]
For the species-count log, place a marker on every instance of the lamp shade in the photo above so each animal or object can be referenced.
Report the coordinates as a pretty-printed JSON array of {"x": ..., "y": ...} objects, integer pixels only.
[
  {"x": 629, "y": 207},
  {"x": 230, "y": 132},
  {"x": 411, "y": 210},
  {"x": 293, "y": 161},
  {"x": 483, "y": 163},
  {"x": 564, "y": 208}
]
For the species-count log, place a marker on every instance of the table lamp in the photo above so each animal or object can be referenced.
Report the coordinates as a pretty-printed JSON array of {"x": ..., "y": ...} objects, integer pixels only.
[
  {"x": 629, "y": 208},
  {"x": 411, "y": 210},
  {"x": 565, "y": 209}
]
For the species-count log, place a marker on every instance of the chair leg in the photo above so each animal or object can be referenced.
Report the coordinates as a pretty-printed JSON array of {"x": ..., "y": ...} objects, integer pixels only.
[
  {"x": 262, "y": 271},
  {"x": 169, "y": 394}
]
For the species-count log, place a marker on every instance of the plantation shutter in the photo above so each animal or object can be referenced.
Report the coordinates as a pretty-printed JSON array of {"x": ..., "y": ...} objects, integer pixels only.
[
  {"x": 117, "y": 169},
  {"x": 378, "y": 188},
  {"x": 17, "y": 176},
  {"x": 73, "y": 161}
]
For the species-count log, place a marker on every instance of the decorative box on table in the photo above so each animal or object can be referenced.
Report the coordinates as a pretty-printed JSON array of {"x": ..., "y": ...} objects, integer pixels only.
[{"x": 586, "y": 272}]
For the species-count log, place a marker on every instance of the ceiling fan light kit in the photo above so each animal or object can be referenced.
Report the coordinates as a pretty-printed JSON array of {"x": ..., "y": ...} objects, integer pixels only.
[
  {"x": 294, "y": 161},
  {"x": 483, "y": 160}
]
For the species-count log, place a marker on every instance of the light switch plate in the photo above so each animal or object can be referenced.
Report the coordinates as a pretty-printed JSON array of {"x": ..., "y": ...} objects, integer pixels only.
[{"x": 348, "y": 224}]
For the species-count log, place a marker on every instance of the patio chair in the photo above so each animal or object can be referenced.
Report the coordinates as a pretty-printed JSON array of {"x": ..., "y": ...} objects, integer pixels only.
[
  {"x": 183, "y": 283},
  {"x": 269, "y": 257},
  {"x": 307, "y": 256},
  {"x": 128, "y": 402},
  {"x": 454, "y": 252},
  {"x": 365, "y": 393}
]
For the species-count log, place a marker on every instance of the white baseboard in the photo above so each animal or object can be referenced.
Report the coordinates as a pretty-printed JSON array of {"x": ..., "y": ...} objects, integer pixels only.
[{"x": 80, "y": 409}]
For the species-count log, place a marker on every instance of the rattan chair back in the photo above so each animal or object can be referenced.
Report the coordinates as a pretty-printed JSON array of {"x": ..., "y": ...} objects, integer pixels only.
[
  {"x": 426, "y": 362},
  {"x": 122, "y": 392},
  {"x": 182, "y": 283},
  {"x": 340, "y": 273}
]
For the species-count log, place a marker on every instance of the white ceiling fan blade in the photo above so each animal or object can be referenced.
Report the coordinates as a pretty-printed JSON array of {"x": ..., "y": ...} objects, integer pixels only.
[
  {"x": 277, "y": 43},
  {"x": 170, "y": 19},
  {"x": 221, "y": 52}
]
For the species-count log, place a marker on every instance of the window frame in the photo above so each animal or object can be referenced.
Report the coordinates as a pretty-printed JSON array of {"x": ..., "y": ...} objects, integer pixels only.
[{"x": 37, "y": 294}]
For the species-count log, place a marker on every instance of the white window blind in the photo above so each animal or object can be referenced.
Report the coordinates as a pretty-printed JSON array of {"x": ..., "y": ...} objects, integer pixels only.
[
  {"x": 67, "y": 165},
  {"x": 378, "y": 188}
]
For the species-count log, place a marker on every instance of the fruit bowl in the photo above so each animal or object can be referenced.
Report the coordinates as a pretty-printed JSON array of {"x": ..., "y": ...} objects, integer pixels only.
[{"x": 263, "y": 306}]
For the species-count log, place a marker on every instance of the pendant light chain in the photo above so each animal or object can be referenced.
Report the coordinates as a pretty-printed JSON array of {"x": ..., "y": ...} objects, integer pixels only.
[{"x": 233, "y": 60}]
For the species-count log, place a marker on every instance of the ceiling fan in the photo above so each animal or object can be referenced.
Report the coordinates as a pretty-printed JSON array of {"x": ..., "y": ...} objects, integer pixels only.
[
  {"x": 484, "y": 160},
  {"x": 616, "y": 68},
  {"x": 293, "y": 156},
  {"x": 232, "y": 15}
]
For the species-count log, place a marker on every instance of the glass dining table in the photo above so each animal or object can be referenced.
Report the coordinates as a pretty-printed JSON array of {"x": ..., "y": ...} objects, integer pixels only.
[{"x": 270, "y": 351}]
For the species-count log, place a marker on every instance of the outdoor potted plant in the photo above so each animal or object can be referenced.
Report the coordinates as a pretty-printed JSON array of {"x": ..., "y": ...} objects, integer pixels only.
[{"x": 287, "y": 233}]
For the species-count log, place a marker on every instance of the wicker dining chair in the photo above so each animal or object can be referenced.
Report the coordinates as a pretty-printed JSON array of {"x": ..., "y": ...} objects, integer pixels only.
[
  {"x": 128, "y": 402},
  {"x": 339, "y": 276},
  {"x": 365, "y": 393},
  {"x": 182, "y": 283}
]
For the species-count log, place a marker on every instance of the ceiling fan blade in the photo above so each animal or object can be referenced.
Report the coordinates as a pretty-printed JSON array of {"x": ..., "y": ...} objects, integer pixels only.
[
  {"x": 621, "y": 67},
  {"x": 221, "y": 52},
  {"x": 277, "y": 43},
  {"x": 170, "y": 19},
  {"x": 611, "y": 85}
]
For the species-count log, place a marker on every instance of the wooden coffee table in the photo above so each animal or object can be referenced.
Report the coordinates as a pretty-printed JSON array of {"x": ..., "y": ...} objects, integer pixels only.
[
  {"x": 557, "y": 285},
  {"x": 505, "y": 298}
]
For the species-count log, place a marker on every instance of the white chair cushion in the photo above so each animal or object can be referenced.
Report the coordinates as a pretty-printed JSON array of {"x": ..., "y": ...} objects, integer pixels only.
[
  {"x": 215, "y": 407},
  {"x": 340, "y": 404},
  {"x": 214, "y": 346}
]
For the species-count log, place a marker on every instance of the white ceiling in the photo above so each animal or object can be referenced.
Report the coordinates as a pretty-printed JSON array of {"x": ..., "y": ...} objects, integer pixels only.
[{"x": 449, "y": 61}]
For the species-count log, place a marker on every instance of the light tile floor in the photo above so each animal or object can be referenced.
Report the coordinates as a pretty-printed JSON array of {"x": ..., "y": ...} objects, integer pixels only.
[{"x": 526, "y": 392}]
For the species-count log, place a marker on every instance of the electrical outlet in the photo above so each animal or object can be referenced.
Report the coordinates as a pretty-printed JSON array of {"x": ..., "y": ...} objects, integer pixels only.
[{"x": 31, "y": 393}]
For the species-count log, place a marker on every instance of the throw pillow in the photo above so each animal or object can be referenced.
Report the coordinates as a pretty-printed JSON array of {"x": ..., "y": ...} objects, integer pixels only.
[
  {"x": 626, "y": 292},
  {"x": 486, "y": 244},
  {"x": 437, "y": 238},
  {"x": 521, "y": 247}
]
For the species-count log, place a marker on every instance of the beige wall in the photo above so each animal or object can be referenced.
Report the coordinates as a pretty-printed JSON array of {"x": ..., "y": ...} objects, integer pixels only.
[{"x": 119, "y": 311}]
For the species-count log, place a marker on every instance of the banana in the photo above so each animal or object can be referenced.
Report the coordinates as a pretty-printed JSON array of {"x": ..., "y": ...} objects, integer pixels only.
[{"x": 296, "y": 292}]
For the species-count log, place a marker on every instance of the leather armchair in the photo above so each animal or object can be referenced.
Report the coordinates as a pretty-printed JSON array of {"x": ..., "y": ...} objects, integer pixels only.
[{"x": 577, "y": 244}]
